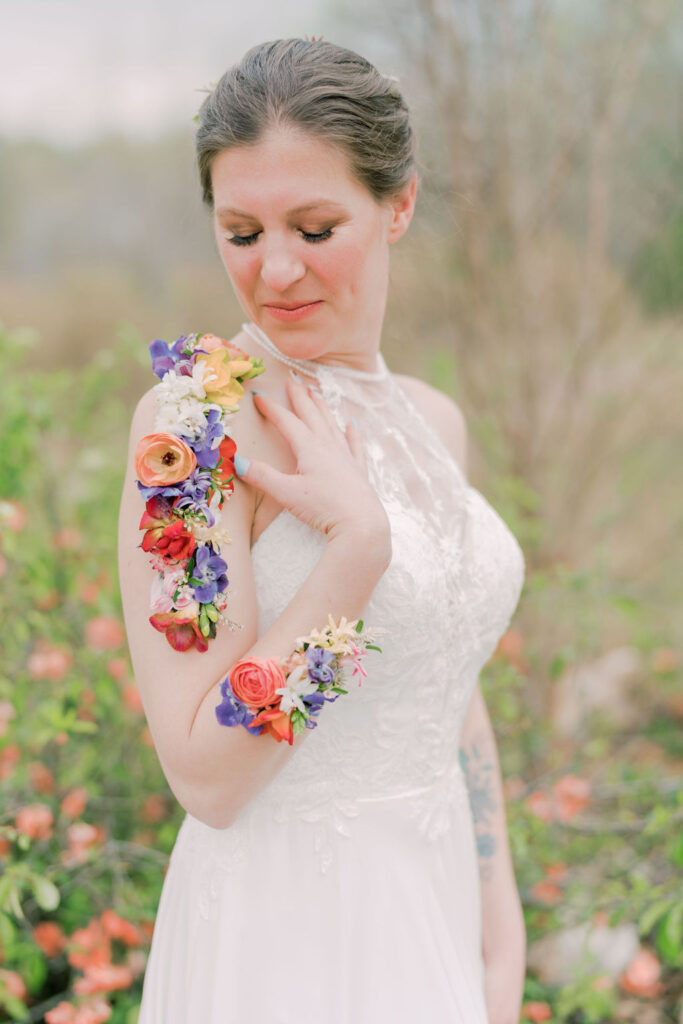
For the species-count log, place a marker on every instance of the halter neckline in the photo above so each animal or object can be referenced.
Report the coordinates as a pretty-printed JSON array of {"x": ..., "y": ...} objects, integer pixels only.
[{"x": 311, "y": 366}]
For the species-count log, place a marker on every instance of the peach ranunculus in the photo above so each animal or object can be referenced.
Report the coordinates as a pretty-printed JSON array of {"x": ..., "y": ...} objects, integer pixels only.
[
  {"x": 255, "y": 680},
  {"x": 35, "y": 821},
  {"x": 220, "y": 381},
  {"x": 211, "y": 342},
  {"x": 163, "y": 459}
]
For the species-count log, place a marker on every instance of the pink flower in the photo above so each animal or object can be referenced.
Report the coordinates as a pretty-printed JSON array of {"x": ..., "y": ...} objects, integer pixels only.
[
  {"x": 104, "y": 633},
  {"x": 74, "y": 802},
  {"x": 49, "y": 937},
  {"x": 641, "y": 977},
  {"x": 255, "y": 680},
  {"x": 35, "y": 821},
  {"x": 16, "y": 985},
  {"x": 163, "y": 459},
  {"x": 49, "y": 662}
]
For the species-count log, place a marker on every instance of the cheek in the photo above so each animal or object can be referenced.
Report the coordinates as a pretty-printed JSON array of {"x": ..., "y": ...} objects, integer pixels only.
[{"x": 345, "y": 266}]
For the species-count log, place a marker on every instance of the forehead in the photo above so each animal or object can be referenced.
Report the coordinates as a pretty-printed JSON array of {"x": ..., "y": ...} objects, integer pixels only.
[{"x": 286, "y": 168}]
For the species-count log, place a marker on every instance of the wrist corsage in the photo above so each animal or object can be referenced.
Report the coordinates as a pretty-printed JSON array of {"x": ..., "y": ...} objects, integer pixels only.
[
  {"x": 185, "y": 472},
  {"x": 282, "y": 696}
]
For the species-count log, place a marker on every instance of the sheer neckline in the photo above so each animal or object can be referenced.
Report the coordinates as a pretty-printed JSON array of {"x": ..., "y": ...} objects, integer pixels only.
[{"x": 311, "y": 366}]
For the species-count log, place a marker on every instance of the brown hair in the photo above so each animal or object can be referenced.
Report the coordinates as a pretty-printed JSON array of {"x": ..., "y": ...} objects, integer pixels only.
[{"x": 321, "y": 88}]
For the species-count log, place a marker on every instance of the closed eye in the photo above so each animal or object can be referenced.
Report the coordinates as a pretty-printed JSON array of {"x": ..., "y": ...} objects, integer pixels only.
[{"x": 320, "y": 236}]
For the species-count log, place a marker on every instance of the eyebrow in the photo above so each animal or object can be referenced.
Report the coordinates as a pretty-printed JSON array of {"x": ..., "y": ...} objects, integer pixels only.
[{"x": 312, "y": 205}]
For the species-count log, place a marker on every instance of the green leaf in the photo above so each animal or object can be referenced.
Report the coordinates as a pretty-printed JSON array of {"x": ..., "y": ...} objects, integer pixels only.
[
  {"x": 45, "y": 892},
  {"x": 359, "y": 626},
  {"x": 648, "y": 919},
  {"x": 373, "y": 647}
]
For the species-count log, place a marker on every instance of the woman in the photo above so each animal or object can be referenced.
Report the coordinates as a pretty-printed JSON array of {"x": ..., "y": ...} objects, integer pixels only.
[{"x": 335, "y": 880}]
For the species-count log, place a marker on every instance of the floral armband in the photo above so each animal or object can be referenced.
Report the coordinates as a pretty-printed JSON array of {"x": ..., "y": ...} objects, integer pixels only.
[
  {"x": 282, "y": 696},
  {"x": 185, "y": 472}
]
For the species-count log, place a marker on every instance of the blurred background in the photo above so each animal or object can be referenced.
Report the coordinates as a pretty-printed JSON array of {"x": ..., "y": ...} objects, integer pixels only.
[{"x": 540, "y": 285}]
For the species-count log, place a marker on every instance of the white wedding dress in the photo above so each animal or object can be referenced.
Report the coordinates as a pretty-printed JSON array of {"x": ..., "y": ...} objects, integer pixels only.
[{"x": 348, "y": 891}]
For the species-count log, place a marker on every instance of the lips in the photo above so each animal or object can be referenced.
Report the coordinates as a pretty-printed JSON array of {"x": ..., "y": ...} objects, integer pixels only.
[{"x": 289, "y": 305}]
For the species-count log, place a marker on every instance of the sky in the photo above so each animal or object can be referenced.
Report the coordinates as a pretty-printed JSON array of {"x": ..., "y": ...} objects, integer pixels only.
[{"x": 71, "y": 70}]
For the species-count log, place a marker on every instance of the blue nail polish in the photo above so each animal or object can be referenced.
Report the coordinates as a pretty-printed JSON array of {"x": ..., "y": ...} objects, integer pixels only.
[
  {"x": 255, "y": 391},
  {"x": 355, "y": 422},
  {"x": 241, "y": 464}
]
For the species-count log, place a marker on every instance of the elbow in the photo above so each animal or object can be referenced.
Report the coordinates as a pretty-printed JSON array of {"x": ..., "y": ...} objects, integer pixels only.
[{"x": 211, "y": 808}]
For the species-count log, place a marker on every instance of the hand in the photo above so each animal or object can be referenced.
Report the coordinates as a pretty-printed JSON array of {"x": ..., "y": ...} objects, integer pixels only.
[
  {"x": 504, "y": 972},
  {"x": 330, "y": 489}
]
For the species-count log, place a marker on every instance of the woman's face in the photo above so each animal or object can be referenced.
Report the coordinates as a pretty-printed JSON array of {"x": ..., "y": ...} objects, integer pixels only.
[{"x": 305, "y": 245}]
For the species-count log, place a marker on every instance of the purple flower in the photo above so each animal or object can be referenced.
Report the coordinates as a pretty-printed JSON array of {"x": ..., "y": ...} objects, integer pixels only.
[
  {"x": 320, "y": 664},
  {"x": 231, "y": 710},
  {"x": 193, "y": 491},
  {"x": 151, "y": 492},
  {"x": 165, "y": 357},
  {"x": 203, "y": 444},
  {"x": 208, "y": 575}
]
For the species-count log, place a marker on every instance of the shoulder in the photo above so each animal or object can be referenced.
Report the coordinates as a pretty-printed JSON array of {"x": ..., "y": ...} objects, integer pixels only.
[{"x": 444, "y": 414}]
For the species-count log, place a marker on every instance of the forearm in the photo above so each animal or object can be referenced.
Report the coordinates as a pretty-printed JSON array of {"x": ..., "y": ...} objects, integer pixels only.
[
  {"x": 502, "y": 917},
  {"x": 233, "y": 765}
]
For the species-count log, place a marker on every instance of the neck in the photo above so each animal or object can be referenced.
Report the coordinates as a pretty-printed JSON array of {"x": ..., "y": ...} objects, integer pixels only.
[{"x": 374, "y": 367}]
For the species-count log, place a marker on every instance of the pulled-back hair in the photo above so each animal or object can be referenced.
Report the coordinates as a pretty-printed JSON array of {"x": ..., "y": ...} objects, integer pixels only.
[{"x": 318, "y": 87}]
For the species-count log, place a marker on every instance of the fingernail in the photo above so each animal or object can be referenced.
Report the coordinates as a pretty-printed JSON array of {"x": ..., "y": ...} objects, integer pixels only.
[
  {"x": 255, "y": 391},
  {"x": 355, "y": 422},
  {"x": 241, "y": 463}
]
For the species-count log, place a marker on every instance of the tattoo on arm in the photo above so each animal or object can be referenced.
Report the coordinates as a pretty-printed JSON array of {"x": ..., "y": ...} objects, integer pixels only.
[{"x": 480, "y": 774}]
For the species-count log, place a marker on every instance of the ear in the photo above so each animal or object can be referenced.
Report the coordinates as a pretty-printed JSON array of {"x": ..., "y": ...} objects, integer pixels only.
[{"x": 401, "y": 210}]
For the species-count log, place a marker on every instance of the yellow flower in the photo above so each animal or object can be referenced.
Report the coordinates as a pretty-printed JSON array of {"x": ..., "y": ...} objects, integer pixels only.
[{"x": 220, "y": 377}]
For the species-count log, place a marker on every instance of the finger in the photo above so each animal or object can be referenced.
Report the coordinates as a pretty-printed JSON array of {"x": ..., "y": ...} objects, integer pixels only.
[
  {"x": 264, "y": 477},
  {"x": 356, "y": 446},
  {"x": 328, "y": 416},
  {"x": 293, "y": 429},
  {"x": 304, "y": 404}
]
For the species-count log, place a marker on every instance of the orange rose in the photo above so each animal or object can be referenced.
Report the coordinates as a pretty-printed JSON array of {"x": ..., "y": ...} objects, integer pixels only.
[
  {"x": 255, "y": 680},
  {"x": 163, "y": 459}
]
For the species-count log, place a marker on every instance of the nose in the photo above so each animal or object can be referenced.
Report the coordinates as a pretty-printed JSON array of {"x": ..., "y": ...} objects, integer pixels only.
[{"x": 281, "y": 267}]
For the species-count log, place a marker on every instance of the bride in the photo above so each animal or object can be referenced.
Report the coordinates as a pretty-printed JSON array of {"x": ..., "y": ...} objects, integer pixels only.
[{"x": 344, "y": 877}]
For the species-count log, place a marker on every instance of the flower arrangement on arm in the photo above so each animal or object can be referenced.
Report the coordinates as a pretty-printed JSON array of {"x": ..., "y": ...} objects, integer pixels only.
[
  {"x": 185, "y": 471},
  {"x": 282, "y": 696}
]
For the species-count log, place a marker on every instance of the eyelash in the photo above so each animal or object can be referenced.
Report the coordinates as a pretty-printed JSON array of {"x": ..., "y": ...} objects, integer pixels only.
[{"x": 320, "y": 236}]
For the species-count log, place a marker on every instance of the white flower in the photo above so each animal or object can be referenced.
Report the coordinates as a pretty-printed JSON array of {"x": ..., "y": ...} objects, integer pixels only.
[
  {"x": 298, "y": 685},
  {"x": 186, "y": 416},
  {"x": 203, "y": 532}
]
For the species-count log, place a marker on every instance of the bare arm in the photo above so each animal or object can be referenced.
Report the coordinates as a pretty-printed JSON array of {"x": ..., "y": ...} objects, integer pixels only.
[
  {"x": 213, "y": 770},
  {"x": 502, "y": 917}
]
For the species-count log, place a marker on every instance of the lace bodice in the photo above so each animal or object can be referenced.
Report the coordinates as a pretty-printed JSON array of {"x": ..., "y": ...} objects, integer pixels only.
[{"x": 447, "y": 597}]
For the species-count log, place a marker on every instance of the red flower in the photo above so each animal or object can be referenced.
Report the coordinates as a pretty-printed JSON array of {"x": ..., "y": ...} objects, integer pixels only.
[
  {"x": 226, "y": 470},
  {"x": 164, "y": 532},
  {"x": 182, "y": 633}
]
